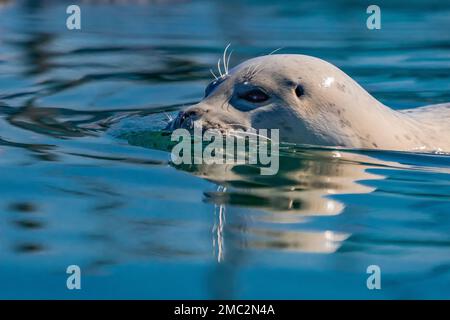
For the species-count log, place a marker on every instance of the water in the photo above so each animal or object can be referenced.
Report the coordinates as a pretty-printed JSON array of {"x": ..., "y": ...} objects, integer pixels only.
[{"x": 86, "y": 178}]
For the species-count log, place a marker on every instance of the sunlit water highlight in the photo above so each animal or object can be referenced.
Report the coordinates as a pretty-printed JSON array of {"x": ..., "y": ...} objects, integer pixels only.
[{"x": 86, "y": 176}]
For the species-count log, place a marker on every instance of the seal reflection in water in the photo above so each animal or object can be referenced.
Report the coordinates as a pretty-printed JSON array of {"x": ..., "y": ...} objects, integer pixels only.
[
  {"x": 313, "y": 102},
  {"x": 305, "y": 186},
  {"x": 267, "y": 212}
]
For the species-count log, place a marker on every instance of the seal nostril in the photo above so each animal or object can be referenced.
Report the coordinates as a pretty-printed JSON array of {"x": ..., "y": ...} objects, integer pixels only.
[
  {"x": 193, "y": 113},
  {"x": 185, "y": 116}
]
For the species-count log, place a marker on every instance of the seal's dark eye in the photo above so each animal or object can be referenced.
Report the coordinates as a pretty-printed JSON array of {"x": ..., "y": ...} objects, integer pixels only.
[
  {"x": 299, "y": 91},
  {"x": 254, "y": 96}
]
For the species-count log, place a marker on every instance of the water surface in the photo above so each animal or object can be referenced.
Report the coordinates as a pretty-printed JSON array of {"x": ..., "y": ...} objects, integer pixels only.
[{"x": 74, "y": 192}]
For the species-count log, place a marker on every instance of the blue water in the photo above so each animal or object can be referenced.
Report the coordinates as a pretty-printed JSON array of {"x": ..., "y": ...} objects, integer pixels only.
[{"x": 82, "y": 182}]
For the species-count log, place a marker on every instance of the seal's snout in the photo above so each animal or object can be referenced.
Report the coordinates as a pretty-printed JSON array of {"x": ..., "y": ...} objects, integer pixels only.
[
  {"x": 208, "y": 117},
  {"x": 186, "y": 118}
]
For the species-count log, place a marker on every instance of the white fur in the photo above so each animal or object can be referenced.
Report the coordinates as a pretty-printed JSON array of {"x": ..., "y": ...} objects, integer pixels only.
[{"x": 335, "y": 110}]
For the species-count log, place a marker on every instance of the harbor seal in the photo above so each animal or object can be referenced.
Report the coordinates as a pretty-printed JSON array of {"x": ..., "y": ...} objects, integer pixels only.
[{"x": 313, "y": 102}]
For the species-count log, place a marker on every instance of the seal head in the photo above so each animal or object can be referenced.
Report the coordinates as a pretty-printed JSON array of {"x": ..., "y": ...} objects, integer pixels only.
[{"x": 311, "y": 102}]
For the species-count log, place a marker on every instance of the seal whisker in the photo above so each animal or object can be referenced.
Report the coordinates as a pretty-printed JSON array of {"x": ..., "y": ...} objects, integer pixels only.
[
  {"x": 248, "y": 74},
  {"x": 219, "y": 68},
  {"x": 276, "y": 50},
  {"x": 214, "y": 75},
  {"x": 257, "y": 69},
  {"x": 252, "y": 71},
  {"x": 225, "y": 59},
  {"x": 233, "y": 134},
  {"x": 228, "y": 61},
  {"x": 168, "y": 116}
]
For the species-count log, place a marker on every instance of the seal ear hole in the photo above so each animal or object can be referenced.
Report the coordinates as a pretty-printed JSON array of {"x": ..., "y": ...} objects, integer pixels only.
[{"x": 299, "y": 91}]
